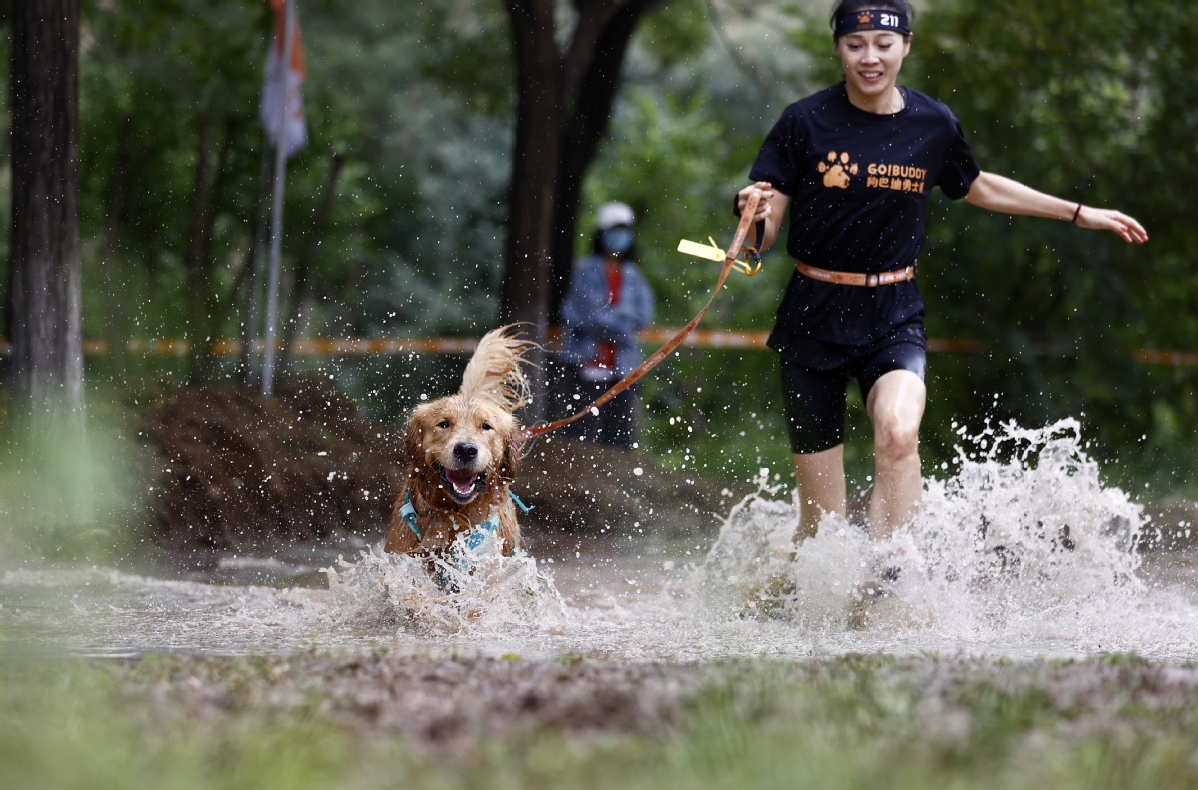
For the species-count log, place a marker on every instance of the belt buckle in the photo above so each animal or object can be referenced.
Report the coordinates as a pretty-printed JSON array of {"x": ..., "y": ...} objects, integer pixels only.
[{"x": 871, "y": 281}]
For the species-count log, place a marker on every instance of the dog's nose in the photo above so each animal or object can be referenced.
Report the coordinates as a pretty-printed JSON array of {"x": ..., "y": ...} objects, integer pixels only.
[{"x": 465, "y": 452}]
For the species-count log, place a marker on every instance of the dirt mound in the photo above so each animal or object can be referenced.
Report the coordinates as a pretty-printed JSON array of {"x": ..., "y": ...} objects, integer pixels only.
[
  {"x": 239, "y": 470},
  {"x": 577, "y": 486}
]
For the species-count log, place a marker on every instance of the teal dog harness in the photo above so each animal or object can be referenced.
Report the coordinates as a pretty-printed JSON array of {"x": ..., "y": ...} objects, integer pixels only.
[
  {"x": 474, "y": 539},
  {"x": 408, "y": 514}
]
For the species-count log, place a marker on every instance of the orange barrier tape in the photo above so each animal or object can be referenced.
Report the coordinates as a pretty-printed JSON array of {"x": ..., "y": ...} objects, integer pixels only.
[
  {"x": 938, "y": 345},
  {"x": 319, "y": 346},
  {"x": 1175, "y": 358},
  {"x": 90, "y": 347},
  {"x": 709, "y": 338},
  {"x": 747, "y": 339}
]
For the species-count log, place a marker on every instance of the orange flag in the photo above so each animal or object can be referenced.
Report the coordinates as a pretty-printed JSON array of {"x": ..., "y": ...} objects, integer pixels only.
[{"x": 280, "y": 81}]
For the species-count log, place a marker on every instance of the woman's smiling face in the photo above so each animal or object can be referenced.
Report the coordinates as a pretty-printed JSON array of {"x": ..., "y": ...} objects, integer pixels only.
[{"x": 872, "y": 60}]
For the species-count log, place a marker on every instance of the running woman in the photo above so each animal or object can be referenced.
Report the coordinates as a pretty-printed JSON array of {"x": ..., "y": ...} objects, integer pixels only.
[{"x": 854, "y": 164}]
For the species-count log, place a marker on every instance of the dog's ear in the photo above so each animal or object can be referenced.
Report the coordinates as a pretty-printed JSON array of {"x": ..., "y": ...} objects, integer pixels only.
[
  {"x": 413, "y": 443},
  {"x": 513, "y": 450}
]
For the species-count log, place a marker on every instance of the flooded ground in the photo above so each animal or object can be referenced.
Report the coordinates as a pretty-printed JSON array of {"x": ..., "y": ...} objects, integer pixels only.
[
  {"x": 612, "y": 606},
  {"x": 1019, "y": 551}
]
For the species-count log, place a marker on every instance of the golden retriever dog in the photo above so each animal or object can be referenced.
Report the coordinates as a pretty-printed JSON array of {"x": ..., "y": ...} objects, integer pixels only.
[{"x": 463, "y": 452}]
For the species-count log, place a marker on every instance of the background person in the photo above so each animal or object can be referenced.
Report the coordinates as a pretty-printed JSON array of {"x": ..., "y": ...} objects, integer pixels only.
[
  {"x": 607, "y": 304},
  {"x": 855, "y": 163}
]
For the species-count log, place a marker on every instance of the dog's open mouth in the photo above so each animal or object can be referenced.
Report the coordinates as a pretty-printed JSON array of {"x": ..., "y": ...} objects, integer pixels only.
[{"x": 462, "y": 484}]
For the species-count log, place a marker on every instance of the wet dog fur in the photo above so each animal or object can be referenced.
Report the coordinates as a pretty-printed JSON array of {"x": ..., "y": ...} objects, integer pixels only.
[{"x": 463, "y": 452}]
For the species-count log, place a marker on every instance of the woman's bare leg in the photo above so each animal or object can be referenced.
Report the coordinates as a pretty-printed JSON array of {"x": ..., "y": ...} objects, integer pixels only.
[
  {"x": 820, "y": 479},
  {"x": 895, "y": 408}
]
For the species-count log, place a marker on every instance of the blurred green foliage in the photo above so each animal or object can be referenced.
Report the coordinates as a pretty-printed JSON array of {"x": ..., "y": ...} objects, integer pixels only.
[
  {"x": 676, "y": 32},
  {"x": 151, "y": 71},
  {"x": 1087, "y": 100}
]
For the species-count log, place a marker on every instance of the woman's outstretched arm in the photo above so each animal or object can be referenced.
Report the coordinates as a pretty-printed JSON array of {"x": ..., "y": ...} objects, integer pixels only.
[{"x": 1011, "y": 197}]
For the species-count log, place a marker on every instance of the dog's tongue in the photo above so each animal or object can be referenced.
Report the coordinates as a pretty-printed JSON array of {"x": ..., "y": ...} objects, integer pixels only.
[{"x": 462, "y": 479}]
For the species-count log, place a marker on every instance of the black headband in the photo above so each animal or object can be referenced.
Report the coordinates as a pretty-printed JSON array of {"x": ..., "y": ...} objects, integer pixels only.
[{"x": 871, "y": 19}]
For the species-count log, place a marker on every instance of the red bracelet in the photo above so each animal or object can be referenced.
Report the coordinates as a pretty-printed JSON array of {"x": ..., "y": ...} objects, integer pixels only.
[{"x": 1076, "y": 214}]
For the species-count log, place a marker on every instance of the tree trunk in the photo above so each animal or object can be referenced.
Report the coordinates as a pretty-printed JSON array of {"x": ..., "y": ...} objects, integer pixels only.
[
  {"x": 526, "y": 272},
  {"x": 220, "y": 185},
  {"x": 252, "y": 316},
  {"x": 200, "y": 264},
  {"x": 116, "y": 197},
  {"x": 197, "y": 271},
  {"x": 303, "y": 264},
  {"x": 563, "y": 105},
  {"x": 224, "y": 308},
  {"x": 44, "y": 310},
  {"x": 580, "y": 141}
]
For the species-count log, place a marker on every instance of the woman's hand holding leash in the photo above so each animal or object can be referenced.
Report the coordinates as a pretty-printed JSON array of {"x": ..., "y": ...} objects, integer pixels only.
[
  {"x": 771, "y": 209},
  {"x": 764, "y": 209}
]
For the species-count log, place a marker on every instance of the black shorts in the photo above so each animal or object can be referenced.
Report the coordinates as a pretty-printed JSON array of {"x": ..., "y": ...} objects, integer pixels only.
[{"x": 815, "y": 401}]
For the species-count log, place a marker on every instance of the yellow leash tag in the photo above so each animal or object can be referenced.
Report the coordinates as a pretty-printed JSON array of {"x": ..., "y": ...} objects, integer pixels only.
[{"x": 710, "y": 253}]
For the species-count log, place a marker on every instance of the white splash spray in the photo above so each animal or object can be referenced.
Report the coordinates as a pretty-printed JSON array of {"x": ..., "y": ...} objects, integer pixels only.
[
  {"x": 1024, "y": 543},
  {"x": 478, "y": 590}
]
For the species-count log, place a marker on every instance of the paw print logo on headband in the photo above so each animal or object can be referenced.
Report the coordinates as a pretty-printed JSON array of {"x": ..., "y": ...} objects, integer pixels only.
[
  {"x": 837, "y": 170},
  {"x": 865, "y": 17}
]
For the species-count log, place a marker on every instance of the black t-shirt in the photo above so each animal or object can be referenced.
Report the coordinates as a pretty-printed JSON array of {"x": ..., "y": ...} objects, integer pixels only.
[{"x": 859, "y": 185}]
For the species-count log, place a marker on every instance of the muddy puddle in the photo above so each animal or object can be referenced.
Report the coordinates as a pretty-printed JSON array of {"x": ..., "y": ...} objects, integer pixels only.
[{"x": 1019, "y": 551}]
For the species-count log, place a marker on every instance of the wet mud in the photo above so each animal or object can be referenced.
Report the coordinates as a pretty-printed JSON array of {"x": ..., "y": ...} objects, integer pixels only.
[
  {"x": 441, "y": 702},
  {"x": 452, "y": 705}
]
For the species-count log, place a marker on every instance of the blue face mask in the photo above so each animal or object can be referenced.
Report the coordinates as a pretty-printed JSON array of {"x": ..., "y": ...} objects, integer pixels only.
[{"x": 616, "y": 241}]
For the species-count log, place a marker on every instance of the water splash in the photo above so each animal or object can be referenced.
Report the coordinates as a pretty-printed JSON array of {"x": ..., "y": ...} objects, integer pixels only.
[
  {"x": 1035, "y": 532},
  {"x": 1023, "y": 542},
  {"x": 477, "y": 589},
  {"x": 1022, "y": 551},
  {"x": 754, "y": 569}
]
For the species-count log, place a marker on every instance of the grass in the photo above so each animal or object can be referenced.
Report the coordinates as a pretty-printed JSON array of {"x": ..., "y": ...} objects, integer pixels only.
[{"x": 855, "y": 722}]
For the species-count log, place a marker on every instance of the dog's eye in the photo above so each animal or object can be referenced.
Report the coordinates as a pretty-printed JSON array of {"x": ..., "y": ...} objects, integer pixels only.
[
  {"x": 443, "y": 424},
  {"x": 487, "y": 426}
]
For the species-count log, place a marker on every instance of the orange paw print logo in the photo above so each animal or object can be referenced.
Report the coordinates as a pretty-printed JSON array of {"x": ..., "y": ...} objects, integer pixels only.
[
  {"x": 865, "y": 18},
  {"x": 837, "y": 170}
]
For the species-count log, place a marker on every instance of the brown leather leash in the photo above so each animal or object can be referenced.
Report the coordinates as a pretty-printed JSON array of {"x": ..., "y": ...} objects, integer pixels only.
[{"x": 730, "y": 259}]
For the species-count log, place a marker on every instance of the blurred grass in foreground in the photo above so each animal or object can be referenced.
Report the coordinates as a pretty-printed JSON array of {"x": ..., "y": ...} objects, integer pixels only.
[{"x": 841, "y": 723}]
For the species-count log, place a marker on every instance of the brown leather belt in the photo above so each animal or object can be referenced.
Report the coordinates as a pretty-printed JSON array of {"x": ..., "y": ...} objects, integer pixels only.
[{"x": 851, "y": 278}]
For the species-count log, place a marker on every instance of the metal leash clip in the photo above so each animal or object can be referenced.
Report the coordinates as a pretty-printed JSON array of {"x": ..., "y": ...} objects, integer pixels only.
[{"x": 744, "y": 265}]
